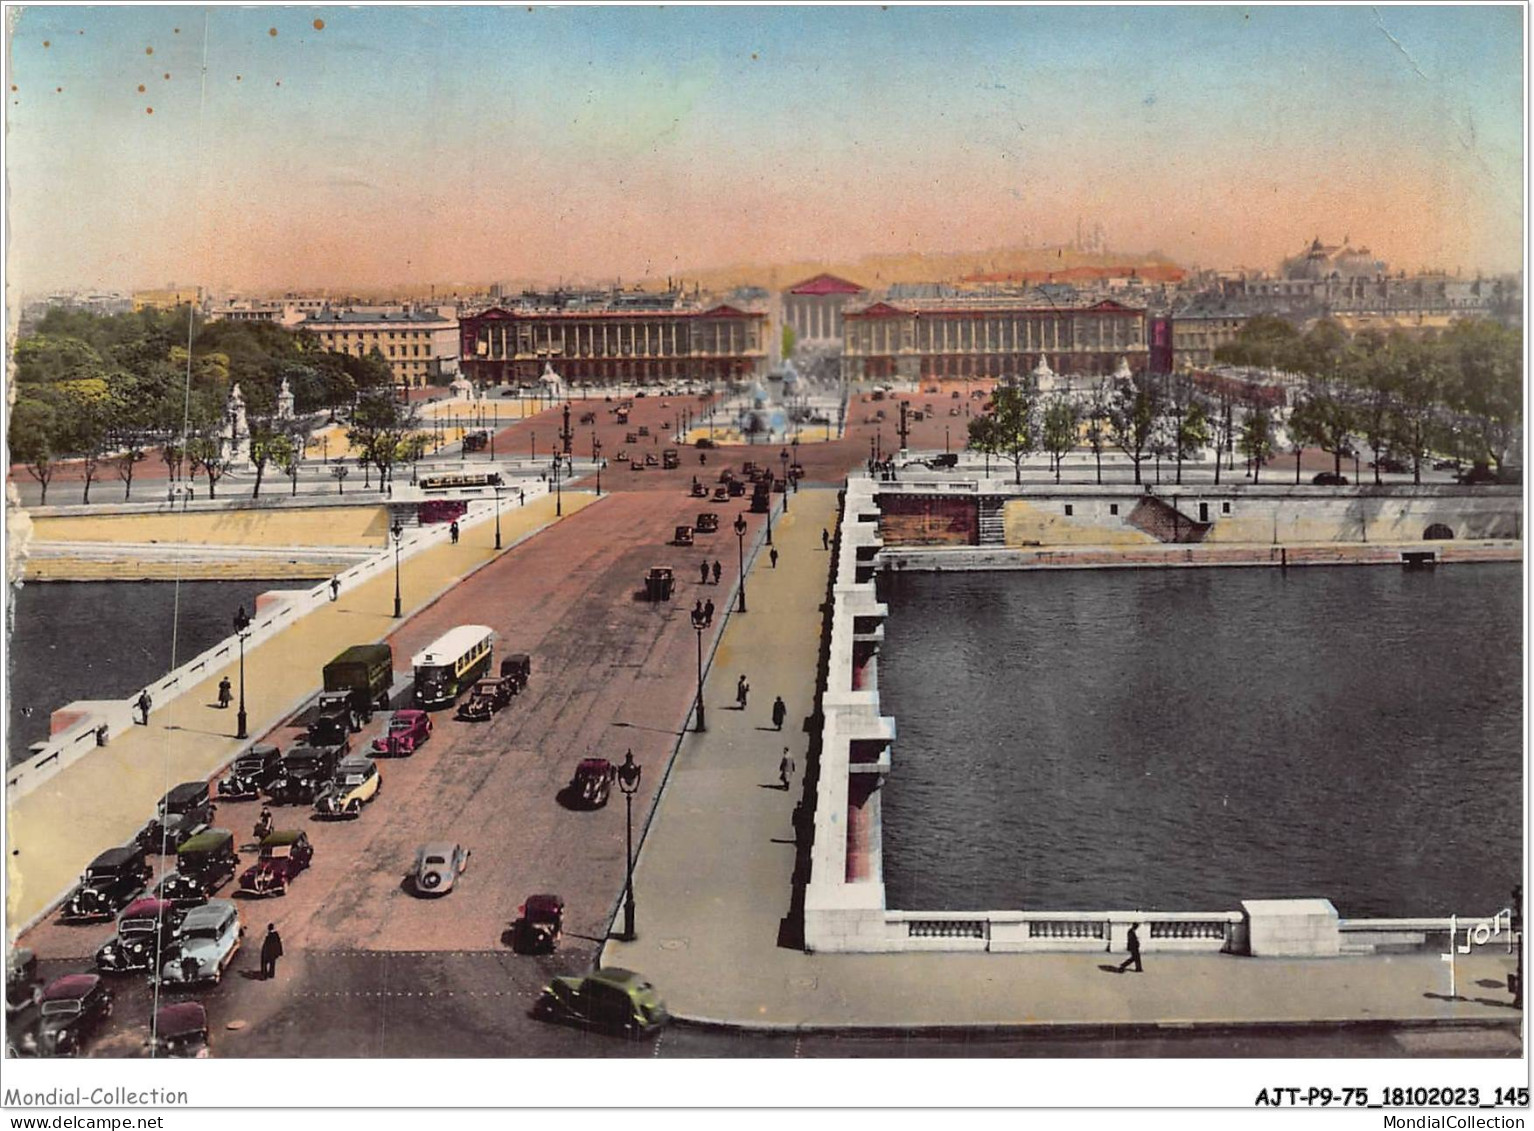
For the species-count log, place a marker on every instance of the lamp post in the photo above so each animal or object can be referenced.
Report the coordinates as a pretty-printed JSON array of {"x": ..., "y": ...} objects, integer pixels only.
[
  {"x": 795, "y": 443},
  {"x": 596, "y": 457},
  {"x": 699, "y": 623},
  {"x": 628, "y": 782},
  {"x": 946, "y": 429},
  {"x": 241, "y": 623},
  {"x": 497, "y": 489},
  {"x": 398, "y": 533},
  {"x": 783, "y": 459},
  {"x": 558, "y": 497},
  {"x": 740, "y": 541}
]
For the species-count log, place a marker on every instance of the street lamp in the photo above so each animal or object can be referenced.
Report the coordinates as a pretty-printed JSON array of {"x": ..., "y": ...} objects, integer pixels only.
[
  {"x": 699, "y": 623},
  {"x": 628, "y": 782},
  {"x": 496, "y": 487},
  {"x": 596, "y": 457},
  {"x": 241, "y": 623},
  {"x": 398, "y": 532},
  {"x": 946, "y": 429},
  {"x": 783, "y": 459},
  {"x": 558, "y": 498},
  {"x": 740, "y": 540},
  {"x": 795, "y": 443}
]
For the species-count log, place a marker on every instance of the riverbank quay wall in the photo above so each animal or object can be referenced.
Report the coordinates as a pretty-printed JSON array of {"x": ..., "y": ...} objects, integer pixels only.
[{"x": 844, "y": 901}]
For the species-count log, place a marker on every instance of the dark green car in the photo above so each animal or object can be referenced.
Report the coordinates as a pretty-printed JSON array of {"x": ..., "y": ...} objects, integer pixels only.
[{"x": 611, "y": 999}]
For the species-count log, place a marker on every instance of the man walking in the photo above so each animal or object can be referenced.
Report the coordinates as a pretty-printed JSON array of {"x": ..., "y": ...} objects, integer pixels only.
[
  {"x": 825, "y": 539},
  {"x": 145, "y": 705},
  {"x": 452, "y": 531},
  {"x": 1134, "y": 951},
  {"x": 697, "y": 611},
  {"x": 335, "y": 588},
  {"x": 708, "y": 612},
  {"x": 742, "y": 689},
  {"x": 785, "y": 768},
  {"x": 779, "y": 713},
  {"x": 774, "y": 557},
  {"x": 271, "y": 951},
  {"x": 703, "y": 573},
  {"x": 718, "y": 570},
  {"x": 225, "y": 693}
]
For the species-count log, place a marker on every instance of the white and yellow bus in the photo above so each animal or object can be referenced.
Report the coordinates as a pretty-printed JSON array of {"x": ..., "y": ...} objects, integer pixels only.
[{"x": 451, "y": 663}]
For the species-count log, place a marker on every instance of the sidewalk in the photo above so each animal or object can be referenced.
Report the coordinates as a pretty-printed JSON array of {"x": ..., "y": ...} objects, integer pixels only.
[
  {"x": 713, "y": 886},
  {"x": 55, "y": 830}
]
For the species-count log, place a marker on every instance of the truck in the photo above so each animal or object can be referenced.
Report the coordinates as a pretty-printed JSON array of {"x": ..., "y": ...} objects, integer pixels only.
[{"x": 356, "y": 682}]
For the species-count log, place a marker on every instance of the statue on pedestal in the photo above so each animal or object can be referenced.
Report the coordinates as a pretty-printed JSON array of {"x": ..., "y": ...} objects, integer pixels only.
[{"x": 236, "y": 436}]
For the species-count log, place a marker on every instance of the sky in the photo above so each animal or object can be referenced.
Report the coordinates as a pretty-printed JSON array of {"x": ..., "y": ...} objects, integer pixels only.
[{"x": 367, "y": 146}]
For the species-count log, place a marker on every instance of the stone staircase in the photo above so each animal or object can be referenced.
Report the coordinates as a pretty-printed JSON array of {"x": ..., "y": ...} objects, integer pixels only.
[
  {"x": 1166, "y": 523},
  {"x": 991, "y": 529}
]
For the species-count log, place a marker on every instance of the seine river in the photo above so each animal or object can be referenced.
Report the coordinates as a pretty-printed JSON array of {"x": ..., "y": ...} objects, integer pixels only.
[
  {"x": 1185, "y": 739},
  {"x": 105, "y": 639}
]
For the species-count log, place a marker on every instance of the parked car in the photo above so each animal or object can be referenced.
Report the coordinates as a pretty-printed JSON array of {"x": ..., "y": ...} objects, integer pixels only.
[
  {"x": 304, "y": 770},
  {"x": 183, "y": 811},
  {"x": 670, "y": 459},
  {"x": 1478, "y": 475},
  {"x": 73, "y": 1007},
  {"x": 357, "y": 782},
  {"x": 611, "y": 999},
  {"x": 707, "y": 523},
  {"x": 250, "y": 773},
  {"x": 1391, "y": 464},
  {"x": 334, "y": 720},
  {"x": 284, "y": 854},
  {"x": 517, "y": 667},
  {"x": 682, "y": 536},
  {"x": 181, "y": 1031},
  {"x": 540, "y": 924},
  {"x": 110, "y": 883},
  {"x": 408, "y": 729},
  {"x": 21, "y": 988},
  {"x": 592, "y": 782},
  {"x": 146, "y": 930},
  {"x": 364, "y": 673},
  {"x": 203, "y": 865},
  {"x": 488, "y": 697},
  {"x": 437, "y": 867},
  {"x": 210, "y": 937},
  {"x": 1330, "y": 479}
]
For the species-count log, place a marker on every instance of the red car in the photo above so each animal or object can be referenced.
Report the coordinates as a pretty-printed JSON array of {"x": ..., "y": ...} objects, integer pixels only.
[
  {"x": 284, "y": 854},
  {"x": 407, "y": 730}
]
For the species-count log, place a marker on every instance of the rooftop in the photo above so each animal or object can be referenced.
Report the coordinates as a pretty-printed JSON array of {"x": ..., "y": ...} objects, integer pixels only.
[{"x": 373, "y": 317}]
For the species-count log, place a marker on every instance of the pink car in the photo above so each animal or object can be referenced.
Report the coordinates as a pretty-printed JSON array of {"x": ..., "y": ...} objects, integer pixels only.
[{"x": 407, "y": 730}]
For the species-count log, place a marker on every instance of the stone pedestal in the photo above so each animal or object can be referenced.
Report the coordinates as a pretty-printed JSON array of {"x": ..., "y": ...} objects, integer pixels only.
[{"x": 1291, "y": 928}]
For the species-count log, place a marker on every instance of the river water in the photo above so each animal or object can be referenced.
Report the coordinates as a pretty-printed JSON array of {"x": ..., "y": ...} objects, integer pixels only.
[
  {"x": 1185, "y": 739},
  {"x": 105, "y": 639}
]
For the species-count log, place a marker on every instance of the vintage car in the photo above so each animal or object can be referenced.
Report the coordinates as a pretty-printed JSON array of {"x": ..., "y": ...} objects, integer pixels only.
[
  {"x": 670, "y": 459},
  {"x": 636, "y": 464},
  {"x": 335, "y": 718},
  {"x": 588, "y": 418},
  {"x": 73, "y": 1006},
  {"x": 721, "y": 493},
  {"x": 540, "y": 924},
  {"x": 183, "y": 811},
  {"x": 592, "y": 782},
  {"x": 110, "y": 883},
  {"x": 630, "y": 437},
  {"x": 644, "y": 429},
  {"x": 203, "y": 865},
  {"x": 284, "y": 854},
  {"x": 659, "y": 584},
  {"x": 408, "y": 729},
  {"x": 737, "y": 489},
  {"x": 210, "y": 937},
  {"x": 487, "y": 697},
  {"x": 305, "y": 769},
  {"x": 610, "y": 999},
  {"x": 21, "y": 988},
  {"x": 650, "y": 460},
  {"x": 146, "y": 929},
  {"x": 517, "y": 667},
  {"x": 1330, "y": 479},
  {"x": 357, "y": 782},
  {"x": 699, "y": 490},
  {"x": 708, "y": 522},
  {"x": 250, "y": 773},
  {"x": 682, "y": 536},
  {"x": 437, "y": 867},
  {"x": 181, "y": 1031}
]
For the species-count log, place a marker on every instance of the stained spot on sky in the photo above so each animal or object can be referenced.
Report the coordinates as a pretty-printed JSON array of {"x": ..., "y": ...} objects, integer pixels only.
[
  {"x": 58, "y": 90},
  {"x": 149, "y": 51},
  {"x": 149, "y": 109},
  {"x": 319, "y": 25},
  {"x": 167, "y": 74},
  {"x": 141, "y": 88},
  {"x": 45, "y": 43},
  {"x": 271, "y": 31}
]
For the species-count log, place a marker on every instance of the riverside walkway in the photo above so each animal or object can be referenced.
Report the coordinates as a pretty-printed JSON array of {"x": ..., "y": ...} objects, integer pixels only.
[
  {"x": 715, "y": 881},
  {"x": 54, "y": 830}
]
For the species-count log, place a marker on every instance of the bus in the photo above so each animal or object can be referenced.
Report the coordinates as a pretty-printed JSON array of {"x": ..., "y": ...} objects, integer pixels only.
[
  {"x": 451, "y": 663},
  {"x": 458, "y": 481}
]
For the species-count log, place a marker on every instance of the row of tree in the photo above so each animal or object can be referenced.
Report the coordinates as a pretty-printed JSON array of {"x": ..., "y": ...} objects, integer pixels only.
[
  {"x": 110, "y": 390},
  {"x": 1400, "y": 396}
]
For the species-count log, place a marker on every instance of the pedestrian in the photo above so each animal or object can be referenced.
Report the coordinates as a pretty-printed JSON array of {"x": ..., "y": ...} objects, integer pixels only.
[
  {"x": 702, "y": 459},
  {"x": 452, "y": 531},
  {"x": 825, "y": 539},
  {"x": 271, "y": 951},
  {"x": 703, "y": 573},
  {"x": 264, "y": 824},
  {"x": 335, "y": 588},
  {"x": 145, "y": 705},
  {"x": 521, "y": 497},
  {"x": 1134, "y": 951},
  {"x": 779, "y": 713},
  {"x": 224, "y": 693},
  {"x": 697, "y": 611},
  {"x": 708, "y": 611},
  {"x": 742, "y": 689},
  {"x": 718, "y": 570},
  {"x": 774, "y": 557},
  {"x": 785, "y": 768}
]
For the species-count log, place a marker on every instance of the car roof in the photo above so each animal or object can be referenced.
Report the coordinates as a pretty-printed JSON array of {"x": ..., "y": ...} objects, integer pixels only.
[
  {"x": 594, "y": 764},
  {"x": 180, "y": 1018},
  {"x": 615, "y": 976},
  {"x": 214, "y": 911},
  {"x": 188, "y": 789},
  {"x": 355, "y": 765},
  {"x": 116, "y": 857},
  {"x": 281, "y": 837},
  {"x": 543, "y": 904},
  {"x": 409, "y": 712},
  {"x": 144, "y": 908},
  {"x": 304, "y": 750},
  {"x": 71, "y": 986},
  {"x": 260, "y": 750},
  {"x": 206, "y": 841},
  {"x": 438, "y": 848}
]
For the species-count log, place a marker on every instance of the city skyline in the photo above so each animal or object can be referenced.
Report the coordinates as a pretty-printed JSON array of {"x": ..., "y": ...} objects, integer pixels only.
[{"x": 370, "y": 147}]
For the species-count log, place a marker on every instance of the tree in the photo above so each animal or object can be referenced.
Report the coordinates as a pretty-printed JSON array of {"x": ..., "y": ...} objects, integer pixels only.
[
  {"x": 1484, "y": 367},
  {"x": 269, "y": 443},
  {"x": 1097, "y": 426},
  {"x": 379, "y": 423},
  {"x": 1374, "y": 370},
  {"x": 789, "y": 340},
  {"x": 1134, "y": 411},
  {"x": 1013, "y": 426},
  {"x": 982, "y": 438},
  {"x": 31, "y": 433},
  {"x": 1257, "y": 438},
  {"x": 1193, "y": 433},
  {"x": 1060, "y": 418},
  {"x": 1264, "y": 342},
  {"x": 1420, "y": 389},
  {"x": 1323, "y": 418}
]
